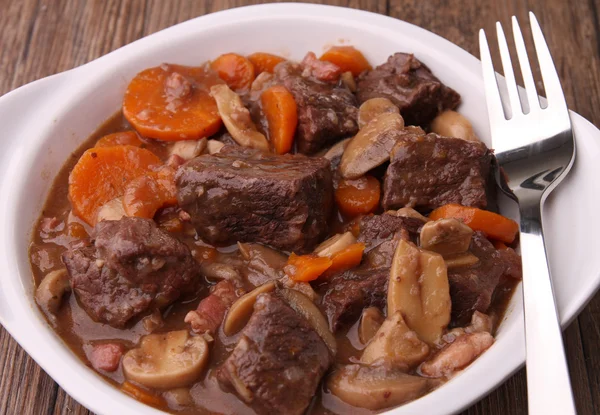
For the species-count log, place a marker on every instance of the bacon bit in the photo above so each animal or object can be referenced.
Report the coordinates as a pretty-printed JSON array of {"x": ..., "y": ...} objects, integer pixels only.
[
  {"x": 106, "y": 356},
  {"x": 322, "y": 70},
  {"x": 209, "y": 314},
  {"x": 175, "y": 161}
]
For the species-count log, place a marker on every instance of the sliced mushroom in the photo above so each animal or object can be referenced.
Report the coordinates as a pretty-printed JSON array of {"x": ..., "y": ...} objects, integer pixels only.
[
  {"x": 111, "y": 210},
  {"x": 460, "y": 260},
  {"x": 376, "y": 387},
  {"x": 419, "y": 289},
  {"x": 50, "y": 292},
  {"x": 480, "y": 322},
  {"x": 219, "y": 271},
  {"x": 214, "y": 146},
  {"x": 239, "y": 313},
  {"x": 303, "y": 305},
  {"x": 188, "y": 149},
  {"x": 335, "y": 244},
  {"x": 348, "y": 79},
  {"x": 395, "y": 344},
  {"x": 446, "y": 236},
  {"x": 335, "y": 151},
  {"x": 304, "y": 287},
  {"x": 452, "y": 124},
  {"x": 370, "y": 321},
  {"x": 371, "y": 146},
  {"x": 457, "y": 355},
  {"x": 373, "y": 108},
  {"x": 236, "y": 118},
  {"x": 408, "y": 212},
  {"x": 267, "y": 262},
  {"x": 166, "y": 360}
]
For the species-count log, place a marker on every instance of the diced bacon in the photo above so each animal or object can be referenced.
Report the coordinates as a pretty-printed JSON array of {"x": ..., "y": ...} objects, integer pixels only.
[
  {"x": 106, "y": 356},
  {"x": 209, "y": 314},
  {"x": 322, "y": 70}
]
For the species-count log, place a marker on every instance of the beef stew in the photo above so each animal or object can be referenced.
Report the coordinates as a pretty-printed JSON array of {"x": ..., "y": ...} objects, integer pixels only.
[{"x": 256, "y": 235}]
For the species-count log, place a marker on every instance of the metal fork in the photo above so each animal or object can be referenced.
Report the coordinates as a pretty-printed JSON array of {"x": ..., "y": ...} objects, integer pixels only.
[{"x": 536, "y": 151}]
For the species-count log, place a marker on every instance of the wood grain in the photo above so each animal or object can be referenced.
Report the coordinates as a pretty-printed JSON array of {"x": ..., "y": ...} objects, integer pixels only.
[{"x": 42, "y": 37}]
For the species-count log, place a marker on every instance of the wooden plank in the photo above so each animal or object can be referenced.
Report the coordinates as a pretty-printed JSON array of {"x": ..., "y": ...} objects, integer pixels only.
[{"x": 43, "y": 37}]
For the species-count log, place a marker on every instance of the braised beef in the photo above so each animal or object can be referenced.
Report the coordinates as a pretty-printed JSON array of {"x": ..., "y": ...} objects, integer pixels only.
[
  {"x": 278, "y": 361},
  {"x": 409, "y": 84},
  {"x": 326, "y": 112},
  {"x": 129, "y": 267},
  {"x": 429, "y": 171},
  {"x": 471, "y": 287},
  {"x": 244, "y": 195}
]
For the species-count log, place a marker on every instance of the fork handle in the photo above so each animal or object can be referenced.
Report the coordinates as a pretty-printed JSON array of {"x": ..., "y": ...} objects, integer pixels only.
[{"x": 548, "y": 383}]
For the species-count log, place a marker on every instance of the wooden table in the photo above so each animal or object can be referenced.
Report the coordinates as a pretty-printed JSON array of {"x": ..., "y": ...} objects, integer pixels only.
[{"x": 42, "y": 37}]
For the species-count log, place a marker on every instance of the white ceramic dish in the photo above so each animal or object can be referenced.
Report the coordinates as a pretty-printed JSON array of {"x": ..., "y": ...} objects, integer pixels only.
[{"x": 44, "y": 121}]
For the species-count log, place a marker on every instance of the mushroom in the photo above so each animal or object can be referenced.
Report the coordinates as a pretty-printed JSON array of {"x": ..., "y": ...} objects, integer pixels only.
[
  {"x": 239, "y": 313},
  {"x": 460, "y": 260},
  {"x": 335, "y": 244},
  {"x": 188, "y": 149},
  {"x": 377, "y": 387},
  {"x": 51, "y": 290},
  {"x": 348, "y": 79},
  {"x": 446, "y": 236},
  {"x": 408, "y": 212},
  {"x": 373, "y": 108},
  {"x": 303, "y": 305},
  {"x": 371, "y": 146},
  {"x": 266, "y": 262},
  {"x": 419, "y": 289},
  {"x": 166, "y": 360},
  {"x": 111, "y": 210},
  {"x": 236, "y": 118},
  {"x": 219, "y": 271},
  {"x": 452, "y": 124},
  {"x": 301, "y": 286},
  {"x": 214, "y": 146},
  {"x": 395, "y": 344},
  {"x": 334, "y": 151},
  {"x": 457, "y": 355},
  {"x": 370, "y": 321}
]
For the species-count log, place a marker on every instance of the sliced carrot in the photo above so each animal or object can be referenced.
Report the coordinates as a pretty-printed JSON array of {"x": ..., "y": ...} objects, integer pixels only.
[
  {"x": 358, "y": 197},
  {"x": 102, "y": 173},
  {"x": 492, "y": 224},
  {"x": 142, "y": 395},
  {"x": 264, "y": 62},
  {"x": 346, "y": 259},
  {"x": 306, "y": 267},
  {"x": 172, "y": 102},
  {"x": 348, "y": 58},
  {"x": 500, "y": 246},
  {"x": 235, "y": 70},
  {"x": 281, "y": 112},
  {"x": 122, "y": 138},
  {"x": 144, "y": 195}
]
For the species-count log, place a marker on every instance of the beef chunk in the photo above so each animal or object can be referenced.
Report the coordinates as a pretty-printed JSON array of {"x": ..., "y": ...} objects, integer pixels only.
[
  {"x": 428, "y": 171},
  {"x": 471, "y": 287},
  {"x": 326, "y": 112},
  {"x": 410, "y": 85},
  {"x": 279, "y": 360},
  {"x": 129, "y": 267},
  {"x": 348, "y": 293},
  {"x": 244, "y": 195},
  {"x": 352, "y": 291}
]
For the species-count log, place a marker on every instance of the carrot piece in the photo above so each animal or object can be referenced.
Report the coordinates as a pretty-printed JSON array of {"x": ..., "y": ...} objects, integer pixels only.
[
  {"x": 494, "y": 225},
  {"x": 346, "y": 259},
  {"x": 281, "y": 112},
  {"x": 264, "y": 62},
  {"x": 172, "y": 102},
  {"x": 142, "y": 395},
  {"x": 102, "y": 173},
  {"x": 358, "y": 197},
  {"x": 306, "y": 267},
  {"x": 500, "y": 246},
  {"x": 235, "y": 70},
  {"x": 129, "y": 138},
  {"x": 348, "y": 58},
  {"x": 144, "y": 195}
]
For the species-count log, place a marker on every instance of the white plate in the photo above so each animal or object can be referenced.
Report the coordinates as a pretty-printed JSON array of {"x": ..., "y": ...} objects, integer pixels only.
[{"x": 44, "y": 121}]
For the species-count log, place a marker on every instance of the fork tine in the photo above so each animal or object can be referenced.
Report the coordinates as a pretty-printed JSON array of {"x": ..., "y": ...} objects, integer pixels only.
[
  {"x": 492, "y": 94},
  {"x": 532, "y": 96},
  {"x": 509, "y": 74},
  {"x": 554, "y": 92}
]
